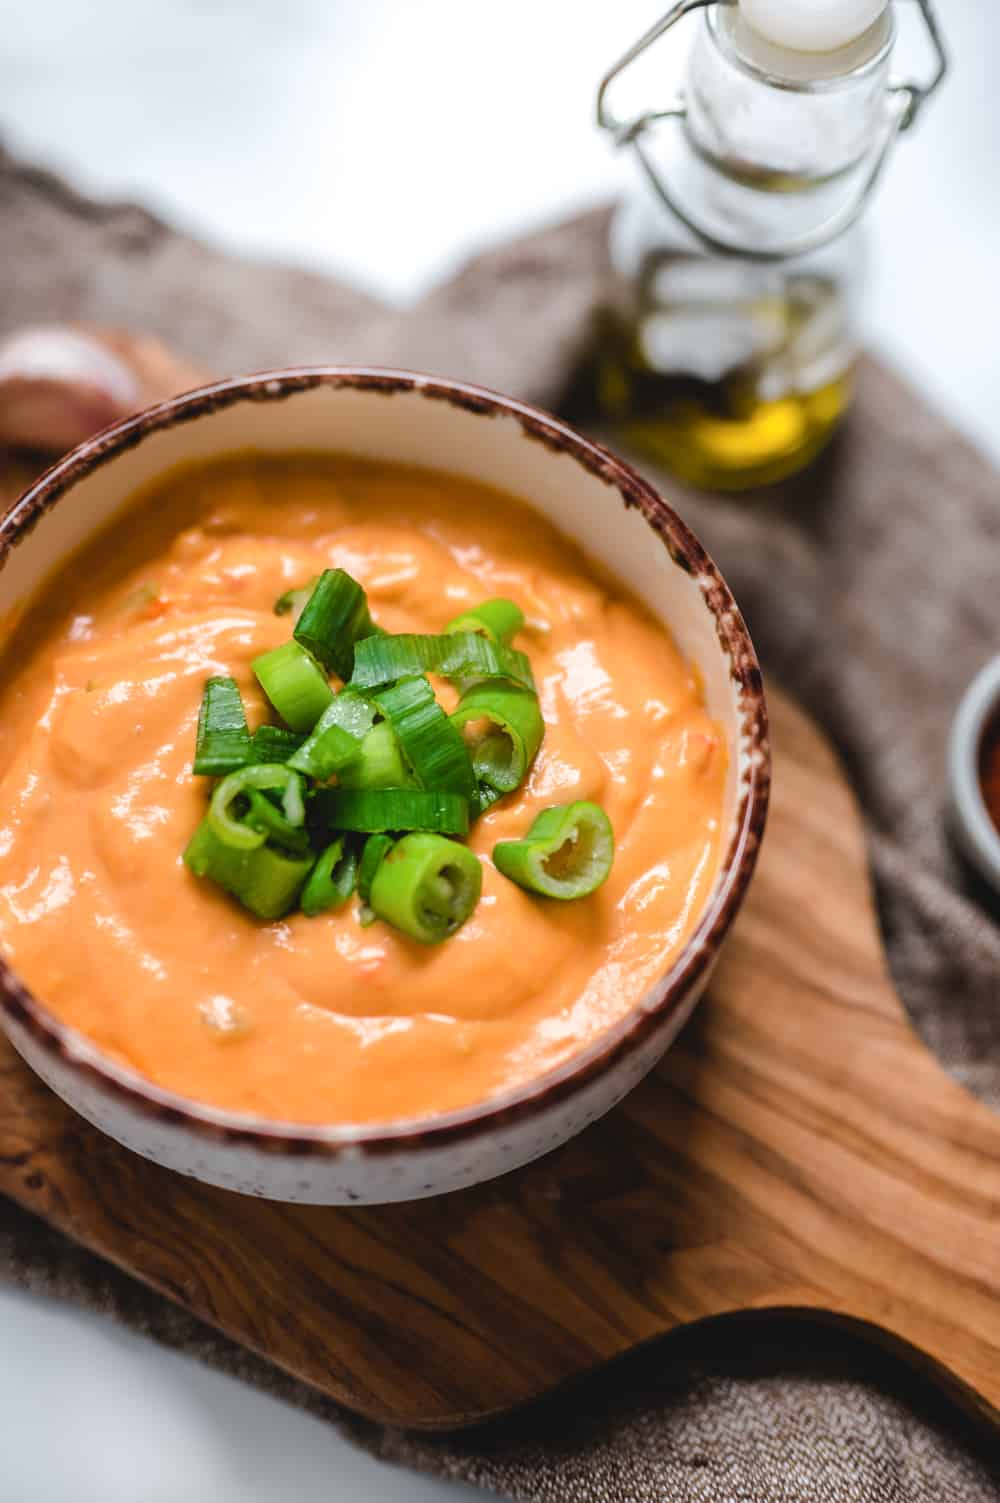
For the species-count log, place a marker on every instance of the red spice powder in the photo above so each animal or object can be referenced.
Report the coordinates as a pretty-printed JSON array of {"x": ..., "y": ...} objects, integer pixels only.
[{"x": 989, "y": 768}]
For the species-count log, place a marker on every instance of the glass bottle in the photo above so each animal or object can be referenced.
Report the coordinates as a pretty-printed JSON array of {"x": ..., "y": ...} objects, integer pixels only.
[{"x": 727, "y": 346}]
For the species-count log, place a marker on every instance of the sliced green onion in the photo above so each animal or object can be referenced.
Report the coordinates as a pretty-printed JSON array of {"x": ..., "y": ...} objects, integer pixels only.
[
  {"x": 331, "y": 880},
  {"x": 485, "y": 798},
  {"x": 431, "y": 744},
  {"x": 499, "y": 620},
  {"x": 353, "y": 712},
  {"x": 294, "y": 683},
  {"x": 567, "y": 853},
  {"x": 329, "y": 748},
  {"x": 383, "y": 660},
  {"x": 335, "y": 617},
  {"x": 377, "y": 847},
  {"x": 223, "y": 741},
  {"x": 380, "y": 764},
  {"x": 264, "y": 880},
  {"x": 338, "y": 736},
  {"x": 230, "y": 826},
  {"x": 266, "y": 817},
  {"x": 374, "y": 810},
  {"x": 293, "y": 602},
  {"x": 273, "y": 743},
  {"x": 427, "y": 887},
  {"x": 501, "y": 758}
]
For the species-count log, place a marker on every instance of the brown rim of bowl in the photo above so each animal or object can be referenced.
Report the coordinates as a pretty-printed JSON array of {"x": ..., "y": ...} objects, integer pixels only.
[{"x": 736, "y": 869}]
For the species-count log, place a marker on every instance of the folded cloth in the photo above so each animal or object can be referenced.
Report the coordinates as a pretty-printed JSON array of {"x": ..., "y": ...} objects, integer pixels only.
[{"x": 870, "y": 588}]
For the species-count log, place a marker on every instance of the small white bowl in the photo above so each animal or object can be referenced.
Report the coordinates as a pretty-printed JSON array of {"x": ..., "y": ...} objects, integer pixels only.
[{"x": 974, "y": 829}]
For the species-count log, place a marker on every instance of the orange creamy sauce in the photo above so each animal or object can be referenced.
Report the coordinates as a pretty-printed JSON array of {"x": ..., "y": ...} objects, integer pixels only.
[{"x": 319, "y": 1019}]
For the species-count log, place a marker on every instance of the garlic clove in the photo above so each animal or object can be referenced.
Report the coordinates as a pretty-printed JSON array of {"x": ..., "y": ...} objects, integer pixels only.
[{"x": 60, "y": 384}]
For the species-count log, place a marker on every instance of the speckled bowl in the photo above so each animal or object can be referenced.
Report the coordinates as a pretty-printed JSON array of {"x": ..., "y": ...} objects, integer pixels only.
[{"x": 615, "y": 516}]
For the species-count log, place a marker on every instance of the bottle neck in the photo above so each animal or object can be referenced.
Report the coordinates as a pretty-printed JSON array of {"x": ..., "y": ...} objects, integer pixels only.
[
  {"x": 775, "y": 145},
  {"x": 782, "y": 119}
]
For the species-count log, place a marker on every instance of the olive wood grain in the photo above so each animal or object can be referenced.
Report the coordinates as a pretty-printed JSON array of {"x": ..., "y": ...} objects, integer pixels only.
[{"x": 797, "y": 1148}]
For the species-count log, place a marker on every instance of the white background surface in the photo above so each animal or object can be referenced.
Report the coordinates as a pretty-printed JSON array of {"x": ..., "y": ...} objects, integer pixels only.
[{"x": 385, "y": 140}]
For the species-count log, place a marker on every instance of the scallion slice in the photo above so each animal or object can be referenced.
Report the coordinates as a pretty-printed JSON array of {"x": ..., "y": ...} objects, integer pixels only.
[
  {"x": 265, "y": 881},
  {"x": 502, "y": 756},
  {"x": 337, "y": 737},
  {"x": 293, "y": 602},
  {"x": 430, "y": 742},
  {"x": 485, "y": 798},
  {"x": 294, "y": 683},
  {"x": 353, "y": 712},
  {"x": 335, "y": 617},
  {"x": 373, "y": 810},
  {"x": 567, "y": 853},
  {"x": 230, "y": 825},
  {"x": 273, "y": 743},
  {"x": 265, "y": 816},
  {"x": 427, "y": 887},
  {"x": 329, "y": 749},
  {"x": 498, "y": 619},
  {"x": 383, "y": 660},
  {"x": 381, "y": 763},
  {"x": 332, "y": 879},
  {"x": 377, "y": 847},
  {"x": 222, "y": 743}
]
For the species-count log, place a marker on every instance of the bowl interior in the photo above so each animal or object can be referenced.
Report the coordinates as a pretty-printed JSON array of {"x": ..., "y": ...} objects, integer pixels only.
[{"x": 587, "y": 494}]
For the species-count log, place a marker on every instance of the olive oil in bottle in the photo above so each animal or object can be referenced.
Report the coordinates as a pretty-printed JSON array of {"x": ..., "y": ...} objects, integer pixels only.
[{"x": 726, "y": 394}]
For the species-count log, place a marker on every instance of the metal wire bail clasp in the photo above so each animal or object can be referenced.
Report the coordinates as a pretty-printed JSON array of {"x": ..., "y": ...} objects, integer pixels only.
[{"x": 904, "y": 103}]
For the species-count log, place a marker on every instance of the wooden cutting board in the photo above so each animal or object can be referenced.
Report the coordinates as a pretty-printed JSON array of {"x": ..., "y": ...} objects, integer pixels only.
[{"x": 797, "y": 1148}]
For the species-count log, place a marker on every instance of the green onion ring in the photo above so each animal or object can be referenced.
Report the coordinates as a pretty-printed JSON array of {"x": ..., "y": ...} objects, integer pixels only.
[
  {"x": 330, "y": 747},
  {"x": 567, "y": 853},
  {"x": 294, "y": 683},
  {"x": 265, "y": 881},
  {"x": 332, "y": 879},
  {"x": 334, "y": 618},
  {"x": 430, "y": 742},
  {"x": 380, "y": 764},
  {"x": 498, "y": 619},
  {"x": 222, "y": 743},
  {"x": 502, "y": 757},
  {"x": 383, "y": 660},
  {"x": 263, "y": 776},
  {"x": 377, "y": 847},
  {"x": 427, "y": 887}
]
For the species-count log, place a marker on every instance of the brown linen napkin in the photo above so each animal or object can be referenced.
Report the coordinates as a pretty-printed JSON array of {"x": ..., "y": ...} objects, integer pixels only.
[{"x": 868, "y": 587}]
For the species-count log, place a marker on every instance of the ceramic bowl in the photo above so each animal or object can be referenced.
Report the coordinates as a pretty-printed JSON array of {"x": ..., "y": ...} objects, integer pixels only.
[
  {"x": 974, "y": 829},
  {"x": 617, "y": 517}
]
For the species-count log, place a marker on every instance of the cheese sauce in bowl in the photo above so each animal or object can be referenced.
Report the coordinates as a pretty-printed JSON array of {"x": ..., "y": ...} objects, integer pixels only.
[{"x": 243, "y": 1050}]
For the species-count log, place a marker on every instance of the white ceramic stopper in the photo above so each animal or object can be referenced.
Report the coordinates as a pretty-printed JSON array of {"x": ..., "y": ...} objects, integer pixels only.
[{"x": 812, "y": 25}]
